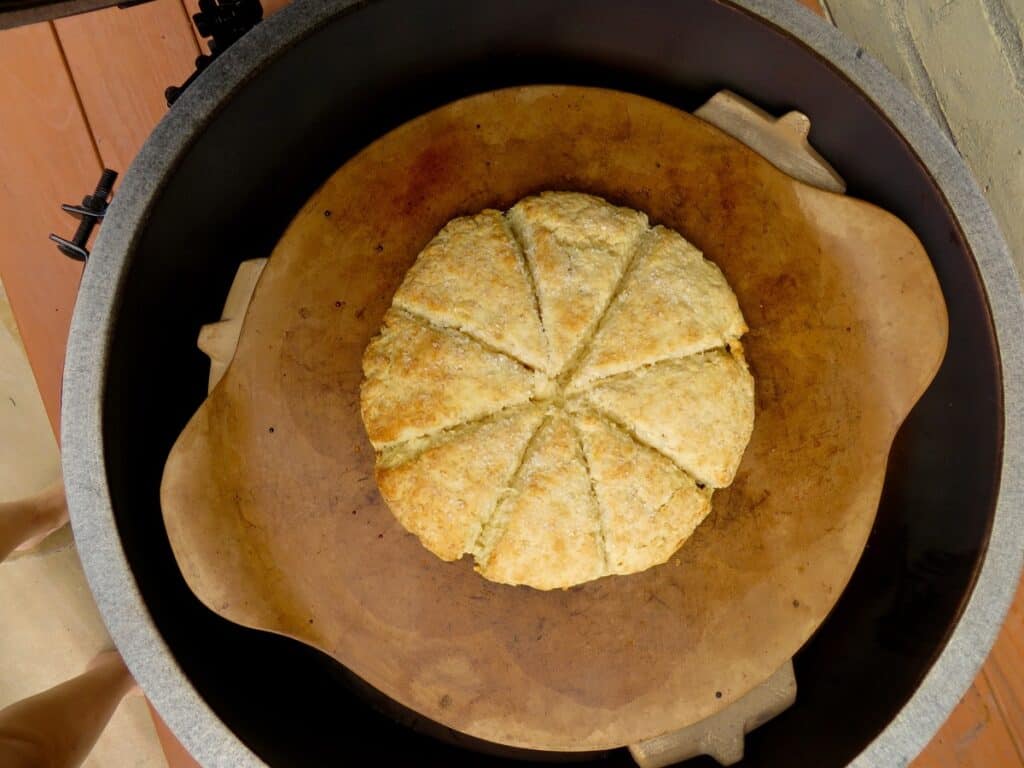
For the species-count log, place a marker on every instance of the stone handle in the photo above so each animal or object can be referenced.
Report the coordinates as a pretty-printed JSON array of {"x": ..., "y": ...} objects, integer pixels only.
[
  {"x": 721, "y": 735},
  {"x": 219, "y": 340},
  {"x": 781, "y": 141}
]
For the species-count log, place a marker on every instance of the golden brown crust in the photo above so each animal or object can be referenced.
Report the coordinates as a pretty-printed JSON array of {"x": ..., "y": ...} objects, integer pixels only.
[
  {"x": 649, "y": 506},
  {"x": 444, "y": 489},
  {"x": 551, "y": 526},
  {"x": 420, "y": 379},
  {"x": 465, "y": 397},
  {"x": 472, "y": 277},
  {"x": 578, "y": 247},
  {"x": 673, "y": 303},
  {"x": 698, "y": 411}
]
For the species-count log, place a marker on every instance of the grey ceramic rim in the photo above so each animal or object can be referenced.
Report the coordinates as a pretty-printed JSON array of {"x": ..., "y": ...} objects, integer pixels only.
[{"x": 107, "y": 569}]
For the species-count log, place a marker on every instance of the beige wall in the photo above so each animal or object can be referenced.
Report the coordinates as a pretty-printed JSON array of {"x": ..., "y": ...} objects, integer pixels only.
[{"x": 963, "y": 59}]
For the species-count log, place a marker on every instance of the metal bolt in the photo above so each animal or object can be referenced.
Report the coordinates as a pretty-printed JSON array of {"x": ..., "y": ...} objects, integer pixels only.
[{"x": 91, "y": 212}]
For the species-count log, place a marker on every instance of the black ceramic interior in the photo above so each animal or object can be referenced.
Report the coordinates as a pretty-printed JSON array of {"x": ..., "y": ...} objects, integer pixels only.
[{"x": 369, "y": 70}]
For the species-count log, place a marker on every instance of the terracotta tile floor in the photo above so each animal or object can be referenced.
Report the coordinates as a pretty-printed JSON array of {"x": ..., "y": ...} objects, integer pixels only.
[{"x": 83, "y": 93}]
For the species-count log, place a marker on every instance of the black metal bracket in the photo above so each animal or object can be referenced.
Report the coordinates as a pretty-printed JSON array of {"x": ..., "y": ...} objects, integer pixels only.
[
  {"x": 90, "y": 213},
  {"x": 223, "y": 21}
]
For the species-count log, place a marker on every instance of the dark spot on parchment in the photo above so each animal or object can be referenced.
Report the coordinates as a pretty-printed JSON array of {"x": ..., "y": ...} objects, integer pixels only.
[
  {"x": 327, "y": 214},
  {"x": 429, "y": 171},
  {"x": 446, "y": 700},
  {"x": 360, "y": 312}
]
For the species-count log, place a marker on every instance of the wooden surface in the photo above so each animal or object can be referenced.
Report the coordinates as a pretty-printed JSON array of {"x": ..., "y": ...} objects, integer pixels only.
[
  {"x": 121, "y": 110},
  {"x": 71, "y": 106},
  {"x": 835, "y": 292},
  {"x": 47, "y": 156}
]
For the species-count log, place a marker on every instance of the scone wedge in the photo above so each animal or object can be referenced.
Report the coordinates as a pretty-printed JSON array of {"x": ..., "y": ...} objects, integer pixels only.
[
  {"x": 673, "y": 303},
  {"x": 472, "y": 277},
  {"x": 419, "y": 379},
  {"x": 648, "y": 505},
  {"x": 547, "y": 531},
  {"x": 698, "y": 411},
  {"x": 444, "y": 488},
  {"x": 578, "y": 247}
]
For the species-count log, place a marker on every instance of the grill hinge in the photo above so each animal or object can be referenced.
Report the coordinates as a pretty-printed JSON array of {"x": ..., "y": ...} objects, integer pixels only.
[{"x": 223, "y": 21}]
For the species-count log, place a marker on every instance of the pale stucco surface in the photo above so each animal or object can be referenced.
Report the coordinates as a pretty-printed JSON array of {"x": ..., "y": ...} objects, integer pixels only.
[{"x": 963, "y": 59}]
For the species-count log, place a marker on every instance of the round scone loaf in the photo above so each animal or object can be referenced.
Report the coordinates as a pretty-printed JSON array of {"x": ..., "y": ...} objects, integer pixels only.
[{"x": 557, "y": 391}]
